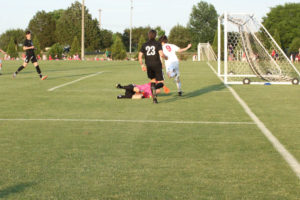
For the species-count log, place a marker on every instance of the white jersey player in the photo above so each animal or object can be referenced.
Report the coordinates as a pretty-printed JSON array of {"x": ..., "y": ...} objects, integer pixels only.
[{"x": 172, "y": 64}]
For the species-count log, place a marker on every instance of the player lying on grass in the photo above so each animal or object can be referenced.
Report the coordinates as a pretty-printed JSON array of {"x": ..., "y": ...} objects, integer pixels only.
[
  {"x": 133, "y": 91},
  {"x": 30, "y": 56},
  {"x": 172, "y": 64},
  {"x": 1, "y": 60}
]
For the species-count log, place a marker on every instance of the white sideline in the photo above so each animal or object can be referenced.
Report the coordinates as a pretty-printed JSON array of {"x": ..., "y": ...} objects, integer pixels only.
[
  {"x": 287, "y": 156},
  {"x": 69, "y": 83},
  {"x": 134, "y": 121}
]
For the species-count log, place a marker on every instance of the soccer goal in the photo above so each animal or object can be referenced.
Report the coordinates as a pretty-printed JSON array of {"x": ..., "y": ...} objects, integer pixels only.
[
  {"x": 251, "y": 55},
  {"x": 206, "y": 53}
]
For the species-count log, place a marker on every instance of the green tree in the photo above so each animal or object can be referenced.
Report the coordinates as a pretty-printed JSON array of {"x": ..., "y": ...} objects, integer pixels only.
[
  {"x": 37, "y": 47},
  {"x": 43, "y": 26},
  {"x": 215, "y": 43},
  {"x": 56, "y": 14},
  {"x": 75, "y": 47},
  {"x": 106, "y": 39},
  {"x": 180, "y": 36},
  {"x": 295, "y": 46},
  {"x": 11, "y": 49},
  {"x": 277, "y": 37},
  {"x": 16, "y": 34},
  {"x": 286, "y": 20},
  {"x": 69, "y": 25},
  {"x": 56, "y": 51},
  {"x": 203, "y": 22},
  {"x": 118, "y": 49},
  {"x": 136, "y": 33},
  {"x": 140, "y": 44},
  {"x": 160, "y": 32}
]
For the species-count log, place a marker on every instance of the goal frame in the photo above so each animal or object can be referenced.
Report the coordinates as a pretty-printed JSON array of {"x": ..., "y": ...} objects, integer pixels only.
[
  {"x": 225, "y": 74},
  {"x": 211, "y": 57}
]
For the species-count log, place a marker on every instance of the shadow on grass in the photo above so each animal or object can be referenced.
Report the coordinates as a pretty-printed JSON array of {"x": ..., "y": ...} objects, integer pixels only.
[
  {"x": 197, "y": 93},
  {"x": 14, "y": 189}
]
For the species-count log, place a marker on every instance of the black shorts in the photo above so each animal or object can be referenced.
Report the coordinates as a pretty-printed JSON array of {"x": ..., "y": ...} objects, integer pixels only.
[
  {"x": 31, "y": 58},
  {"x": 155, "y": 72},
  {"x": 129, "y": 91}
]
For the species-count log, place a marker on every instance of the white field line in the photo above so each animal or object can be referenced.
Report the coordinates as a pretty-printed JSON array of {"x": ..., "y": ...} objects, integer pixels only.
[
  {"x": 77, "y": 80},
  {"x": 134, "y": 121},
  {"x": 287, "y": 156}
]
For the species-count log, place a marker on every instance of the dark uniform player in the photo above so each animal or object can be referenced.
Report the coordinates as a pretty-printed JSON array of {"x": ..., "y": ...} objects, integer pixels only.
[
  {"x": 152, "y": 50},
  {"x": 30, "y": 56}
]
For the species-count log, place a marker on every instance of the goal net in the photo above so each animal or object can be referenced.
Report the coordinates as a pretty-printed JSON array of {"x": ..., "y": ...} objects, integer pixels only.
[
  {"x": 251, "y": 55},
  {"x": 206, "y": 53}
]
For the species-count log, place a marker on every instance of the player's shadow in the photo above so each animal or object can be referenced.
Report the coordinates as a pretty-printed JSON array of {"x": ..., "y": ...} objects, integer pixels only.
[
  {"x": 14, "y": 189},
  {"x": 197, "y": 93}
]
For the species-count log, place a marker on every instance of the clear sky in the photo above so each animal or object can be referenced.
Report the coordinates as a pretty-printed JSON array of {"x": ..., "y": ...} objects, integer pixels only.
[{"x": 116, "y": 13}]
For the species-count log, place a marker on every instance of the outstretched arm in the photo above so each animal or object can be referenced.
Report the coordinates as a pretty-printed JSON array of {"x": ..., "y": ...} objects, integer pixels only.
[
  {"x": 184, "y": 49},
  {"x": 2, "y": 51}
]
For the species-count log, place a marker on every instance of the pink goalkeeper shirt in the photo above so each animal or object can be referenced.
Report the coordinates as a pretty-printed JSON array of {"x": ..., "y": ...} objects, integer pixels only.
[{"x": 146, "y": 88}]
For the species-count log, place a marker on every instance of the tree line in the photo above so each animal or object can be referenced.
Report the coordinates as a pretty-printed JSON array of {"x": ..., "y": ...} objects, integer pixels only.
[{"x": 62, "y": 28}]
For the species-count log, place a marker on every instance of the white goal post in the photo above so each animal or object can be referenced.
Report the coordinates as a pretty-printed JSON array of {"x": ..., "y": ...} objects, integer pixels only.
[
  {"x": 249, "y": 54},
  {"x": 206, "y": 52}
]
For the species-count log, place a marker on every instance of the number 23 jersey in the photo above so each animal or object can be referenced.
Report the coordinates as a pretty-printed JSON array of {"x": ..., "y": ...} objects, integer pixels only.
[{"x": 150, "y": 50}]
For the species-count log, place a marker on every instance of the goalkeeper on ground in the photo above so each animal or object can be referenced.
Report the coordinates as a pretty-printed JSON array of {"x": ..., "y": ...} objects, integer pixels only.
[
  {"x": 172, "y": 64},
  {"x": 133, "y": 91}
]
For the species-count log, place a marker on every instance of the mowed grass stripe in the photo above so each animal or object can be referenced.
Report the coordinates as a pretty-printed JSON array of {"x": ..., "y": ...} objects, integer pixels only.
[{"x": 287, "y": 156}]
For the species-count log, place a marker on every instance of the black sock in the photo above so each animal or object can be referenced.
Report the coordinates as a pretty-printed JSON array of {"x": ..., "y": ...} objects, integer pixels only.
[
  {"x": 128, "y": 87},
  {"x": 20, "y": 69},
  {"x": 159, "y": 85},
  {"x": 38, "y": 70},
  {"x": 153, "y": 90}
]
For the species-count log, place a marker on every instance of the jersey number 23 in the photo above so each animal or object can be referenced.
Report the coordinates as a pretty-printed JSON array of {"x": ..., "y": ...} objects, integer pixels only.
[{"x": 150, "y": 50}]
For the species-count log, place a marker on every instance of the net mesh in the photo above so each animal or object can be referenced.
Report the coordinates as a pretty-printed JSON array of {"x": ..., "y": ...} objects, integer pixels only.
[
  {"x": 252, "y": 52},
  {"x": 206, "y": 53}
]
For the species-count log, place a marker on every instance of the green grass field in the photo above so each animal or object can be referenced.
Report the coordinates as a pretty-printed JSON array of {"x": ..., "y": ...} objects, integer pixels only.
[{"x": 74, "y": 157}]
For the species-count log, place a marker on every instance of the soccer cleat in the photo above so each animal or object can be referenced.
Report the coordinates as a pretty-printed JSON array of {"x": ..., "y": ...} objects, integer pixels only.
[
  {"x": 166, "y": 90},
  {"x": 155, "y": 100},
  {"x": 14, "y": 75},
  {"x": 118, "y": 86},
  {"x": 44, "y": 77},
  {"x": 180, "y": 94}
]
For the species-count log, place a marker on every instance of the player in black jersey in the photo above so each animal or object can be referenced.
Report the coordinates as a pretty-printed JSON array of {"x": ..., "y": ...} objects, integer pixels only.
[
  {"x": 30, "y": 56},
  {"x": 152, "y": 50}
]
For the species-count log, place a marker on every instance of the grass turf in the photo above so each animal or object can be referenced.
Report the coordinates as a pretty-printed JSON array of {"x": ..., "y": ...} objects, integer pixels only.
[{"x": 118, "y": 160}]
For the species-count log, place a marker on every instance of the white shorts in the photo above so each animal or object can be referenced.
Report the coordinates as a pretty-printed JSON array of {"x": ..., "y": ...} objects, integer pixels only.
[
  {"x": 0, "y": 61},
  {"x": 173, "y": 69}
]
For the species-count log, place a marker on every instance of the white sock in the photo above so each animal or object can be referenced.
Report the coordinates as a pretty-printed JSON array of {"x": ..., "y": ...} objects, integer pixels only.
[{"x": 178, "y": 83}]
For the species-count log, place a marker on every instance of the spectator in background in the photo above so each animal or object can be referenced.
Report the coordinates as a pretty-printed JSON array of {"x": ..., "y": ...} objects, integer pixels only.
[
  {"x": 292, "y": 58},
  {"x": 273, "y": 54},
  {"x": 1, "y": 61},
  {"x": 297, "y": 59},
  {"x": 107, "y": 54},
  {"x": 195, "y": 57}
]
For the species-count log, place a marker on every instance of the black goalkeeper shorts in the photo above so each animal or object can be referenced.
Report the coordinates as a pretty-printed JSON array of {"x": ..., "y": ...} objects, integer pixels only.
[{"x": 155, "y": 72}]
